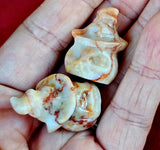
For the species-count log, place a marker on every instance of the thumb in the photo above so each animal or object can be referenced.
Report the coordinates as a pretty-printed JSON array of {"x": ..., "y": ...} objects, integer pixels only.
[{"x": 127, "y": 121}]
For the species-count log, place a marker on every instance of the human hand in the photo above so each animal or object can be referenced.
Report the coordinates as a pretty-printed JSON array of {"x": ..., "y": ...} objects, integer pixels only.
[{"x": 33, "y": 51}]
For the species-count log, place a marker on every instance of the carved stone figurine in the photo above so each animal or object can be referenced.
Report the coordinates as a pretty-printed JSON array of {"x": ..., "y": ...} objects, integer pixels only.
[
  {"x": 94, "y": 53},
  {"x": 60, "y": 103}
]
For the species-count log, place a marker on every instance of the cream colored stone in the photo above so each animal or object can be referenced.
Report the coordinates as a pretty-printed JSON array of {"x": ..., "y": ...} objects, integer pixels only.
[
  {"x": 53, "y": 102},
  {"x": 56, "y": 101},
  {"x": 94, "y": 53},
  {"x": 88, "y": 107}
]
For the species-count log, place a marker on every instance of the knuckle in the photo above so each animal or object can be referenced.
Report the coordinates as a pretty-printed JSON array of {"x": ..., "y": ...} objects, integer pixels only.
[
  {"x": 145, "y": 71},
  {"x": 43, "y": 35},
  {"x": 130, "y": 117}
]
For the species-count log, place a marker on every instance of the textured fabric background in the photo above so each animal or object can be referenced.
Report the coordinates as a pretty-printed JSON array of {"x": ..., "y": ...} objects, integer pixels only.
[{"x": 12, "y": 14}]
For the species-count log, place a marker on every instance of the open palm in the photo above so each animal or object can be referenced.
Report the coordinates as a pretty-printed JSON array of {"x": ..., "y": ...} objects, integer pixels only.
[{"x": 34, "y": 50}]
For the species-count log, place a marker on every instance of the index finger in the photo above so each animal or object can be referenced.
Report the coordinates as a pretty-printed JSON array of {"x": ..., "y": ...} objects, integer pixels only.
[{"x": 32, "y": 51}]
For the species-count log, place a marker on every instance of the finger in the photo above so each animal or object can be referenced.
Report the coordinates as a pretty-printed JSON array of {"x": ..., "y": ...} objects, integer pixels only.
[
  {"x": 32, "y": 51},
  {"x": 6, "y": 93},
  {"x": 132, "y": 36},
  {"x": 82, "y": 141},
  {"x": 16, "y": 129},
  {"x": 129, "y": 11},
  {"x": 127, "y": 121},
  {"x": 63, "y": 140},
  {"x": 55, "y": 140},
  {"x": 135, "y": 32}
]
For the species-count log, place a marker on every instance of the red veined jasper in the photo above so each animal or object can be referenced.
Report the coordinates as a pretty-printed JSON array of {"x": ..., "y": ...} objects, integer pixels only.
[
  {"x": 94, "y": 53},
  {"x": 53, "y": 102}
]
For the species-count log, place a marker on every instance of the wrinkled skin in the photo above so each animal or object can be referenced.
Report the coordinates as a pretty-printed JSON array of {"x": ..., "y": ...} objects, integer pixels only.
[{"x": 37, "y": 43}]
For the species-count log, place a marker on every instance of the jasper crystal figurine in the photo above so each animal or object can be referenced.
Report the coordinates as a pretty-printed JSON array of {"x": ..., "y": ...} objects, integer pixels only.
[
  {"x": 94, "y": 53},
  {"x": 59, "y": 102}
]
